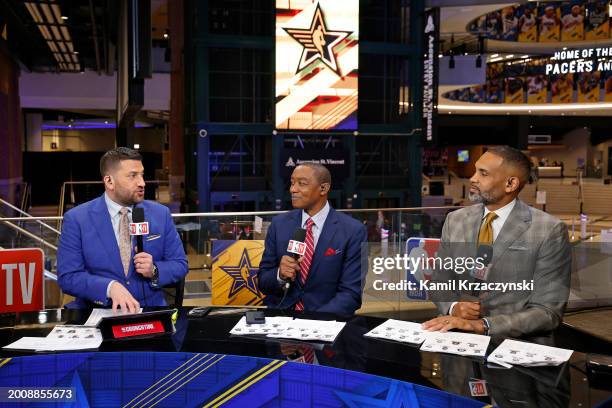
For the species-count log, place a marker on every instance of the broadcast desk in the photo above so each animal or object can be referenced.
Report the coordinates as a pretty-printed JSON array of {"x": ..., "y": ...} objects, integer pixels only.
[{"x": 201, "y": 364}]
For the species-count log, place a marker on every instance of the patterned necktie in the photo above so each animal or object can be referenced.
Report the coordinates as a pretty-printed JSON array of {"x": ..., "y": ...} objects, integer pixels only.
[
  {"x": 125, "y": 245},
  {"x": 485, "y": 236},
  {"x": 307, "y": 260}
]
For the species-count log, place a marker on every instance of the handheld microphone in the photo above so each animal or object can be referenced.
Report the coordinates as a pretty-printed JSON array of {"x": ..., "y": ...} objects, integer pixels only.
[
  {"x": 139, "y": 227},
  {"x": 296, "y": 248},
  {"x": 485, "y": 253}
]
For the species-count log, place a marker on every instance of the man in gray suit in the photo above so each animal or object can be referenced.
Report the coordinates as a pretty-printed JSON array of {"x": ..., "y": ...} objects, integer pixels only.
[{"x": 527, "y": 244}]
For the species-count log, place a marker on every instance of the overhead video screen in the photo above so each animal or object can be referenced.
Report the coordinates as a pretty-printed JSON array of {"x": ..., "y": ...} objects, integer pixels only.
[{"x": 317, "y": 54}]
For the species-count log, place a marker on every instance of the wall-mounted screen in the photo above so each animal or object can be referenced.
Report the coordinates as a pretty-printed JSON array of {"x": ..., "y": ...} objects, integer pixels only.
[
  {"x": 317, "y": 56},
  {"x": 463, "y": 156}
]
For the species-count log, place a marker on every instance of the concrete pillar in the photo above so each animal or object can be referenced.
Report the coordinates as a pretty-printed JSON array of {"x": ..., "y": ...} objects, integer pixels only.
[
  {"x": 33, "y": 128},
  {"x": 177, "y": 102}
]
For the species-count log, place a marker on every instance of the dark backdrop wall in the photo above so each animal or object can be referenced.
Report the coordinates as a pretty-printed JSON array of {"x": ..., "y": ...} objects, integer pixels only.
[
  {"x": 47, "y": 171},
  {"x": 10, "y": 126}
]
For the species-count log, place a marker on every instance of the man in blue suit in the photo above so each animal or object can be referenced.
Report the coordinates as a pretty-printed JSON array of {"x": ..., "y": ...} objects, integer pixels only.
[
  {"x": 96, "y": 262},
  {"x": 328, "y": 277}
]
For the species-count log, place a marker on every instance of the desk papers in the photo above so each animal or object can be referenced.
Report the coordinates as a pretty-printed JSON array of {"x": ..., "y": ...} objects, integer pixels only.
[
  {"x": 61, "y": 338},
  {"x": 397, "y": 330},
  {"x": 98, "y": 314},
  {"x": 464, "y": 344},
  {"x": 529, "y": 354},
  {"x": 289, "y": 328}
]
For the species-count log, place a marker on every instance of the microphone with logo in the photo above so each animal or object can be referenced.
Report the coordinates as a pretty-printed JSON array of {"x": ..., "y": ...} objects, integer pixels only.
[
  {"x": 484, "y": 254},
  {"x": 296, "y": 248},
  {"x": 139, "y": 227}
]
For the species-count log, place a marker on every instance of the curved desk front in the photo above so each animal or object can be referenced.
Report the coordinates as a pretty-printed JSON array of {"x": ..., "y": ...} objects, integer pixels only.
[{"x": 203, "y": 365}]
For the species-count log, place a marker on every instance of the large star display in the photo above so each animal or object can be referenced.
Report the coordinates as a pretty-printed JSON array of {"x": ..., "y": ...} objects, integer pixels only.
[
  {"x": 318, "y": 42},
  {"x": 244, "y": 275}
]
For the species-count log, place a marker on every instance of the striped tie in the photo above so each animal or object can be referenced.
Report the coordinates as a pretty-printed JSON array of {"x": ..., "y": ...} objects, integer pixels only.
[{"x": 306, "y": 261}]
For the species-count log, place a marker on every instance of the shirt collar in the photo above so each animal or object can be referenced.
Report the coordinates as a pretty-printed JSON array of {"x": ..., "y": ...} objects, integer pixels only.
[
  {"x": 319, "y": 218},
  {"x": 502, "y": 213},
  {"x": 113, "y": 207}
]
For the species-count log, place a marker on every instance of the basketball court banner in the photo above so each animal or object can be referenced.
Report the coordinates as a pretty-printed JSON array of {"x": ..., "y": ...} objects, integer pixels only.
[
  {"x": 550, "y": 22},
  {"x": 527, "y": 23},
  {"x": 572, "y": 21},
  {"x": 597, "y": 24}
]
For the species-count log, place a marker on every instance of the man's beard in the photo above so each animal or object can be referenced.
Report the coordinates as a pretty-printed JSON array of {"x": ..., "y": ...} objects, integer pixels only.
[{"x": 484, "y": 198}]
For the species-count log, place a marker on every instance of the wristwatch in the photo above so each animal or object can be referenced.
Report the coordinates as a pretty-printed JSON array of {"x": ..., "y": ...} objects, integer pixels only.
[
  {"x": 485, "y": 325},
  {"x": 155, "y": 277}
]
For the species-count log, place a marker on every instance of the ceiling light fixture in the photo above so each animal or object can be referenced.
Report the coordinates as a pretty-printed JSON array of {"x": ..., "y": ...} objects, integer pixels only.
[
  {"x": 47, "y": 11},
  {"x": 53, "y": 30}
]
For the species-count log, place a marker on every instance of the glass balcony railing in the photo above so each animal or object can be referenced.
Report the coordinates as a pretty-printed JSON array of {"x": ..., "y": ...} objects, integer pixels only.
[{"x": 206, "y": 235}]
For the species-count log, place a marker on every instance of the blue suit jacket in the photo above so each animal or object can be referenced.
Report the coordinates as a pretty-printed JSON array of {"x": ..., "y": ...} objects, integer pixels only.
[
  {"x": 335, "y": 282},
  {"x": 88, "y": 255}
]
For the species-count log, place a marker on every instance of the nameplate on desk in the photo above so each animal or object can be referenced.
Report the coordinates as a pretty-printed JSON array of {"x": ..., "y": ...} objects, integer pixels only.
[
  {"x": 138, "y": 329},
  {"x": 139, "y": 325}
]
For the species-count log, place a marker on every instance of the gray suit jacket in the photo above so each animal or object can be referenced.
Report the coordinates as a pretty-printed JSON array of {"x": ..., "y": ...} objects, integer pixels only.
[{"x": 531, "y": 245}]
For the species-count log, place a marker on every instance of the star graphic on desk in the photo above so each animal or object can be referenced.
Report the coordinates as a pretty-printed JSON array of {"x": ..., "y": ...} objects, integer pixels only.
[
  {"x": 318, "y": 42},
  {"x": 244, "y": 275}
]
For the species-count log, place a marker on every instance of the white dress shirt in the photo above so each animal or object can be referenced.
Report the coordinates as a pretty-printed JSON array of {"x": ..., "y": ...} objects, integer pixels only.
[
  {"x": 502, "y": 216},
  {"x": 115, "y": 216},
  {"x": 497, "y": 225},
  {"x": 319, "y": 220}
]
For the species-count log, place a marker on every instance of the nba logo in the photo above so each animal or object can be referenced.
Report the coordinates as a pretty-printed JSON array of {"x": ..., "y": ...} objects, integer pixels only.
[
  {"x": 478, "y": 388},
  {"x": 296, "y": 247},
  {"x": 139, "y": 228}
]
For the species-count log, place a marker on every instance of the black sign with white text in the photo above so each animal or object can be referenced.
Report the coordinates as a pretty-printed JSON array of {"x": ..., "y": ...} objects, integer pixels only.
[
  {"x": 335, "y": 159},
  {"x": 431, "y": 38}
]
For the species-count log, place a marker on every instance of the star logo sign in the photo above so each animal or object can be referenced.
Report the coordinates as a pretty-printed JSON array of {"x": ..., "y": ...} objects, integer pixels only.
[
  {"x": 244, "y": 275},
  {"x": 318, "y": 42}
]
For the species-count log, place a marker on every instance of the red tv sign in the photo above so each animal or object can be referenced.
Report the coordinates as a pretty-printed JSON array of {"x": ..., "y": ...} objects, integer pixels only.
[{"x": 21, "y": 280}]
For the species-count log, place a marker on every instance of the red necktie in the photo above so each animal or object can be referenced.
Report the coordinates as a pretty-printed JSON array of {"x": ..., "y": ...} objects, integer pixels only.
[
  {"x": 309, "y": 355},
  {"x": 306, "y": 261}
]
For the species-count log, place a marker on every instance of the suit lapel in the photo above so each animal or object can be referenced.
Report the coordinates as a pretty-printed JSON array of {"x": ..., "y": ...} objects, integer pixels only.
[
  {"x": 472, "y": 221},
  {"x": 100, "y": 219},
  {"x": 327, "y": 234},
  {"x": 517, "y": 223}
]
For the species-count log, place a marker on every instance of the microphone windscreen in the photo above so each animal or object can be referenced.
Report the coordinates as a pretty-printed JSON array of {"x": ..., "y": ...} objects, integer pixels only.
[
  {"x": 485, "y": 252},
  {"x": 138, "y": 215},
  {"x": 299, "y": 235}
]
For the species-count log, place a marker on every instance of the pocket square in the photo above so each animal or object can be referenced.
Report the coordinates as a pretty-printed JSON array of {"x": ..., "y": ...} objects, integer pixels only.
[
  {"x": 152, "y": 237},
  {"x": 518, "y": 248},
  {"x": 331, "y": 251}
]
